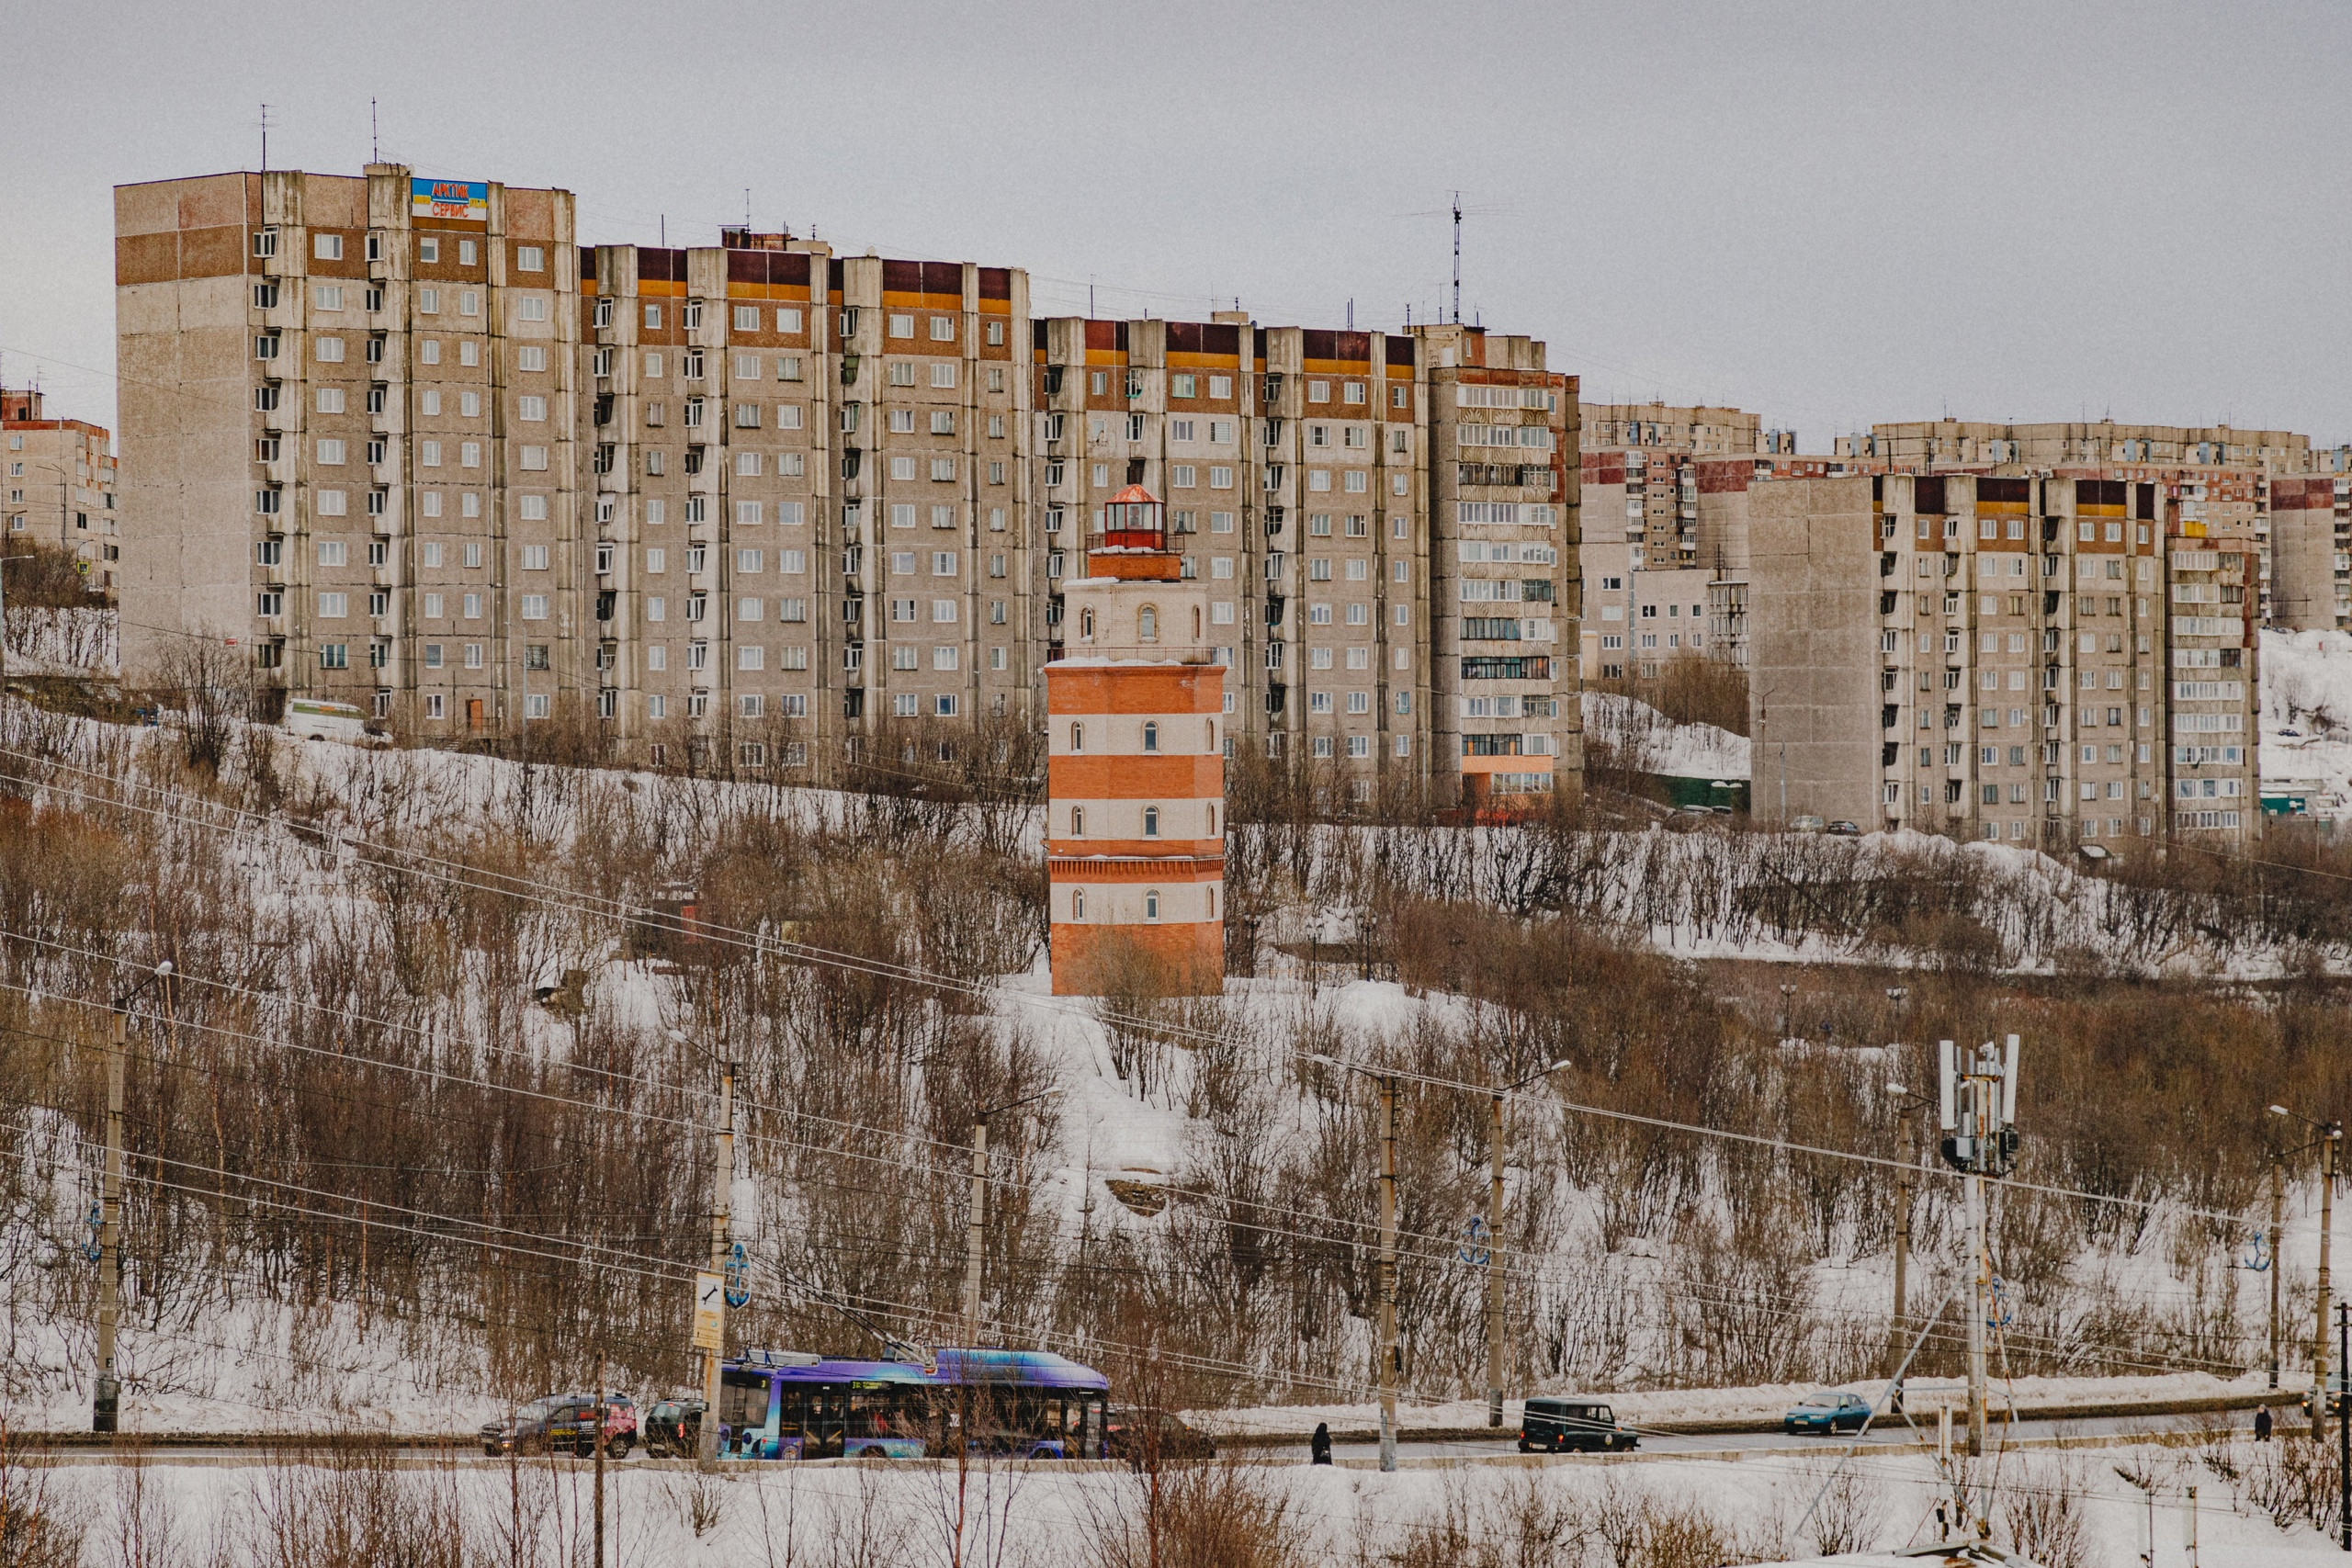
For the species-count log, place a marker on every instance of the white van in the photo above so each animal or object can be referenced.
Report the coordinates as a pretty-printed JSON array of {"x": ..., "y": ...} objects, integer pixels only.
[{"x": 314, "y": 718}]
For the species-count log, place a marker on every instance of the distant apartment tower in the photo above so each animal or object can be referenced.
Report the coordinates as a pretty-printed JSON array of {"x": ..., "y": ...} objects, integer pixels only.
[
  {"x": 61, "y": 483},
  {"x": 1135, "y": 733},
  {"x": 348, "y": 421},
  {"x": 1387, "y": 527},
  {"x": 1920, "y": 444},
  {"x": 2041, "y": 661}
]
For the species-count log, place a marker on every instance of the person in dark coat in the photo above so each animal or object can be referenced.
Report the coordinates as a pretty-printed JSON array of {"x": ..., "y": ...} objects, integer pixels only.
[
  {"x": 1320, "y": 1446},
  {"x": 2262, "y": 1424}
]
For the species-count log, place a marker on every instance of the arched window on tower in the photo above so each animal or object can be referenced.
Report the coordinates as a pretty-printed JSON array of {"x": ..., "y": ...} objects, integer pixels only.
[
  {"x": 1077, "y": 736},
  {"x": 1152, "y": 821},
  {"x": 1077, "y": 903},
  {"x": 1151, "y": 905},
  {"x": 1147, "y": 625},
  {"x": 1196, "y": 621},
  {"x": 1086, "y": 624},
  {"x": 1078, "y": 821},
  {"x": 1151, "y": 737}
]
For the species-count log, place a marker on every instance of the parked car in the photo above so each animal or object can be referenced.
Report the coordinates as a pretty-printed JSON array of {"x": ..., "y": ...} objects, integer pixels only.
[
  {"x": 1129, "y": 1435},
  {"x": 1573, "y": 1425},
  {"x": 561, "y": 1422},
  {"x": 1843, "y": 829},
  {"x": 673, "y": 1428},
  {"x": 1826, "y": 1413},
  {"x": 1807, "y": 823},
  {"x": 315, "y": 719}
]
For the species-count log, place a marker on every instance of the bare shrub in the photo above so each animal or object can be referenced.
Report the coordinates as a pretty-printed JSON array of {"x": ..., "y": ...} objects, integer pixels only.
[
  {"x": 2046, "y": 1520},
  {"x": 35, "y": 1529},
  {"x": 1226, "y": 1514}
]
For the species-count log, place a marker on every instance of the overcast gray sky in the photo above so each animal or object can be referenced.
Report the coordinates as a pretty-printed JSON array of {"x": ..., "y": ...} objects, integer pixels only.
[{"x": 1830, "y": 214}]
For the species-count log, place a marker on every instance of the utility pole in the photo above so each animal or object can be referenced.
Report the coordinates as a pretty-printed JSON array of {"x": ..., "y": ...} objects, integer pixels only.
[
  {"x": 2333, "y": 1132},
  {"x": 598, "y": 1560},
  {"x": 2278, "y": 1208},
  {"x": 976, "y": 1231},
  {"x": 2344, "y": 1428},
  {"x": 105, "y": 1394},
  {"x": 1387, "y": 1273},
  {"x": 1495, "y": 1264},
  {"x": 1977, "y": 1106},
  {"x": 1494, "y": 1242},
  {"x": 722, "y": 1184},
  {"x": 1903, "y": 1140},
  {"x": 106, "y": 1402}
]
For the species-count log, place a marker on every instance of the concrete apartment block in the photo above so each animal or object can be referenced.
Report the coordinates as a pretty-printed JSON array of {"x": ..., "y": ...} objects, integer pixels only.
[
  {"x": 60, "y": 485},
  {"x": 329, "y": 388},
  {"x": 1342, "y": 495},
  {"x": 2311, "y": 553},
  {"x": 1813, "y": 674},
  {"x": 2016, "y": 637},
  {"x": 1635, "y": 622},
  {"x": 1920, "y": 444},
  {"x": 809, "y": 488}
]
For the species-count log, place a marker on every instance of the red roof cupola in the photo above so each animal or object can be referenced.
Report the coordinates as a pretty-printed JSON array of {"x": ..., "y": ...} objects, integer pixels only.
[{"x": 1134, "y": 520}]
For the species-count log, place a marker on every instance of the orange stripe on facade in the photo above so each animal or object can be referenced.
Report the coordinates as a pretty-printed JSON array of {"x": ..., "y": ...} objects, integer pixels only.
[
  {"x": 1134, "y": 778},
  {"x": 923, "y": 301},
  {"x": 1074, "y": 860},
  {"x": 1130, "y": 689},
  {"x": 794, "y": 291},
  {"x": 1203, "y": 361},
  {"x": 1337, "y": 367}
]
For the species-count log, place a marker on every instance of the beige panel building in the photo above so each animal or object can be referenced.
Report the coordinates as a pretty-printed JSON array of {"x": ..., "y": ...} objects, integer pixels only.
[
  {"x": 1922, "y": 444},
  {"x": 348, "y": 433},
  {"x": 60, "y": 486},
  {"x": 1392, "y": 593},
  {"x": 2311, "y": 553},
  {"x": 2016, "y": 639}
]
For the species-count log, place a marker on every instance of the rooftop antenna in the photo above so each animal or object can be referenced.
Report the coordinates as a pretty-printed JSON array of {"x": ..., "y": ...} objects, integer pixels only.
[
  {"x": 375, "y": 151},
  {"x": 747, "y": 209},
  {"x": 664, "y": 221},
  {"x": 1352, "y": 313},
  {"x": 1089, "y": 299},
  {"x": 264, "y": 139},
  {"x": 1457, "y": 258}
]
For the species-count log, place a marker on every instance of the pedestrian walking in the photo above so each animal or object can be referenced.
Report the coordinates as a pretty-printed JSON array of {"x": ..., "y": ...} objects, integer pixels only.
[
  {"x": 2262, "y": 1424},
  {"x": 1320, "y": 1446}
]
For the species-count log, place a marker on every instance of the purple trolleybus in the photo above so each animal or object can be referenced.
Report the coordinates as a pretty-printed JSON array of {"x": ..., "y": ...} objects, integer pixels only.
[{"x": 1012, "y": 1403}]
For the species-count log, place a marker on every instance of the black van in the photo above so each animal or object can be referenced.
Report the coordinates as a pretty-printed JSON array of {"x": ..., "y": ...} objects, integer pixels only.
[{"x": 1573, "y": 1425}]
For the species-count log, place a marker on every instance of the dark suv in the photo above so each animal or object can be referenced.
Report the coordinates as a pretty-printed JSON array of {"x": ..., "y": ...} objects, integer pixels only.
[
  {"x": 673, "y": 1428},
  {"x": 561, "y": 1423},
  {"x": 1567, "y": 1426}
]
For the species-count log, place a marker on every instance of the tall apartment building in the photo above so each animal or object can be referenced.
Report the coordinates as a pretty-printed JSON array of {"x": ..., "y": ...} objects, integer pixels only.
[
  {"x": 1635, "y": 622},
  {"x": 751, "y": 504},
  {"x": 349, "y": 414},
  {"x": 811, "y": 494},
  {"x": 1387, "y": 525},
  {"x": 2310, "y": 552},
  {"x": 60, "y": 484},
  {"x": 2041, "y": 661}
]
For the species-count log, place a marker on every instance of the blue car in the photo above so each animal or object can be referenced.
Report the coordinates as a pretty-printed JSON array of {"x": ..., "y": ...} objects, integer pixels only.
[{"x": 1826, "y": 1414}]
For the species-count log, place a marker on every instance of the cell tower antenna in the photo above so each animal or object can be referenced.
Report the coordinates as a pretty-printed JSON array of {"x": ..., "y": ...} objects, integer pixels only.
[
  {"x": 264, "y": 139},
  {"x": 375, "y": 151},
  {"x": 1457, "y": 258}
]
